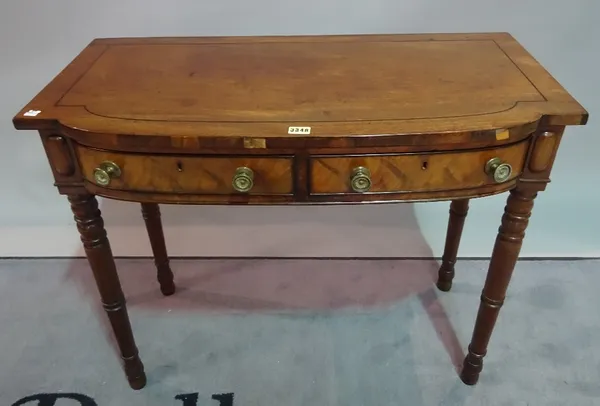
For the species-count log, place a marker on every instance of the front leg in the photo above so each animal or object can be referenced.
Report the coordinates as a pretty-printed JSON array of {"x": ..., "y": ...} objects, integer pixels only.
[
  {"x": 504, "y": 257},
  {"x": 99, "y": 255}
]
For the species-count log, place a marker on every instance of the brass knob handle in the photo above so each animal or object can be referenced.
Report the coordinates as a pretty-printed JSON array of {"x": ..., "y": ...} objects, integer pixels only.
[
  {"x": 360, "y": 181},
  {"x": 105, "y": 172},
  {"x": 243, "y": 180},
  {"x": 498, "y": 170}
]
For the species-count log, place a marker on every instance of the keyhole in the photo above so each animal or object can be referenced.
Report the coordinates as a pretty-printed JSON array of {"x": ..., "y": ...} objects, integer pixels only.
[
  {"x": 424, "y": 166},
  {"x": 179, "y": 166}
]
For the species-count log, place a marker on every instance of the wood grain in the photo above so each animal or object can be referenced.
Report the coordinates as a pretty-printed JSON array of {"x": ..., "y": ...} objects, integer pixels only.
[
  {"x": 301, "y": 82},
  {"x": 342, "y": 87},
  {"x": 543, "y": 151},
  {"x": 414, "y": 172},
  {"x": 184, "y": 174},
  {"x": 234, "y": 145},
  {"x": 249, "y": 199},
  {"x": 59, "y": 155}
]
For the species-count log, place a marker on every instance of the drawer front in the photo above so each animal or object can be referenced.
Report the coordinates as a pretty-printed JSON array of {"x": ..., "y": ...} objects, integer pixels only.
[
  {"x": 187, "y": 174},
  {"x": 411, "y": 172}
]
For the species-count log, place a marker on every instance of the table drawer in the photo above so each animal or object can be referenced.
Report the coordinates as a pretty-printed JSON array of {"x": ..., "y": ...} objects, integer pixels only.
[
  {"x": 187, "y": 174},
  {"x": 413, "y": 172}
]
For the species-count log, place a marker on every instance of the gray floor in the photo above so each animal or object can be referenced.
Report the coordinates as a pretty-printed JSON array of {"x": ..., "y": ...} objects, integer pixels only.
[{"x": 302, "y": 332}]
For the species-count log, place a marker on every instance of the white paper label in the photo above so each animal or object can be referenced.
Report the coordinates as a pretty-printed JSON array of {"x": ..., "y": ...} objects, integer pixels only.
[
  {"x": 32, "y": 113},
  {"x": 299, "y": 130}
]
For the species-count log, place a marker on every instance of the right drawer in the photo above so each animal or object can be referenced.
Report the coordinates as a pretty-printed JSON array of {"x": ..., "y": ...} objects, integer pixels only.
[{"x": 394, "y": 173}]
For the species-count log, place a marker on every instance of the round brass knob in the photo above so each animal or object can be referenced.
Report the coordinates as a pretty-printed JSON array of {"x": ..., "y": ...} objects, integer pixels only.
[
  {"x": 360, "y": 181},
  {"x": 498, "y": 170},
  {"x": 243, "y": 180},
  {"x": 105, "y": 172}
]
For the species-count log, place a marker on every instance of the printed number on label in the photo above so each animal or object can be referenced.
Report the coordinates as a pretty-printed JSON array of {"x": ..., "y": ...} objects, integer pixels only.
[{"x": 299, "y": 130}]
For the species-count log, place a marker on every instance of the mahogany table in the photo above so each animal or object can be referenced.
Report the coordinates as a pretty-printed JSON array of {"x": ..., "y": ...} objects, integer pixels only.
[{"x": 302, "y": 120}]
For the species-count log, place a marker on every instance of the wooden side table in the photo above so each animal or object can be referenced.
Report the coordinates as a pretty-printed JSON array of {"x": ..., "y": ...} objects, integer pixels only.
[{"x": 302, "y": 120}]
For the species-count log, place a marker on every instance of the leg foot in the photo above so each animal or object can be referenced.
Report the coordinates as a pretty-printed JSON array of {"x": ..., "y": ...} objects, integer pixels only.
[
  {"x": 458, "y": 213},
  {"x": 167, "y": 288},
  {"x": 444, "y": 285},
  {"x": 472, "y": 367},
  {"x": 137, "y": 383},
  {"x": 151, "y": 214},
  {"x": 134, "y": 370}
]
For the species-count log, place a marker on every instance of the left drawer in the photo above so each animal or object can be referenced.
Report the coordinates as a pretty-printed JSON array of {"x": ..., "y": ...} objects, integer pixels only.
[{"x": 187, "y": 174}]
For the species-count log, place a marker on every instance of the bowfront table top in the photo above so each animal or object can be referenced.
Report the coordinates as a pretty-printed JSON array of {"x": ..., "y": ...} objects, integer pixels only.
[{"x": 306, "y": 119}]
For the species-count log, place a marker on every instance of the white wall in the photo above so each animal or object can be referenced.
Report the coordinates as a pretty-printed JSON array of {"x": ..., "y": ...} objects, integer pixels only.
[{"x": 39, "y": 37}]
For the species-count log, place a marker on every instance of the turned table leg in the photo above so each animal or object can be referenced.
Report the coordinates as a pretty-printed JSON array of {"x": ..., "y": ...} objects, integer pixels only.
[
  {"x": 99, "y": 255},
  {"x": 151, "y": 213},
  {"x": 458, "y": 213},
  {"x": 504, "y": 257}
]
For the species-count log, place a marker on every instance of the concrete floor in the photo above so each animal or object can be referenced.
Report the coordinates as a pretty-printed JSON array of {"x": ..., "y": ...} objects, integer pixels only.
[{"x": 301, "y": 332}]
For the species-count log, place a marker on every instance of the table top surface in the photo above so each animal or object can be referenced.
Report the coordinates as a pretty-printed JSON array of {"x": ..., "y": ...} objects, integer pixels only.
[{"x": 332, "y": 86}]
